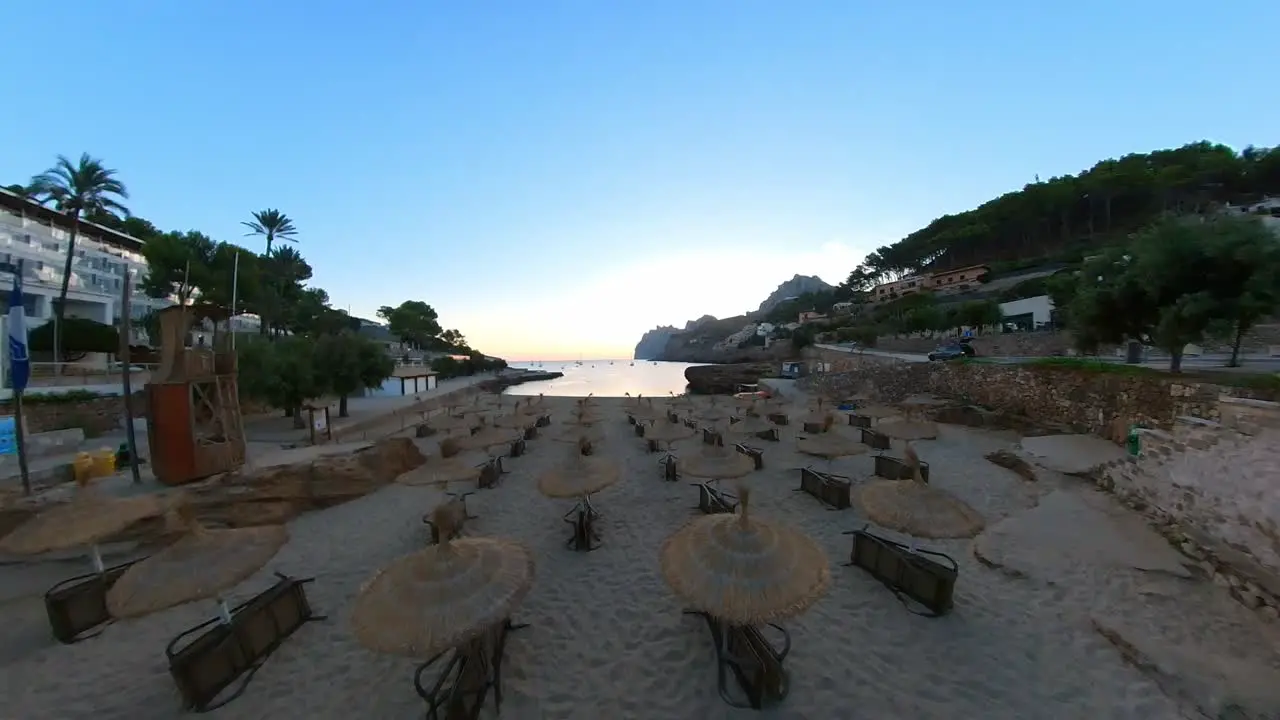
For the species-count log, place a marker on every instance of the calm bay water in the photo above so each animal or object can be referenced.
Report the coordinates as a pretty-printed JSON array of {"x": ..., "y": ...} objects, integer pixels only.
[{"x": 606, "y": 378}]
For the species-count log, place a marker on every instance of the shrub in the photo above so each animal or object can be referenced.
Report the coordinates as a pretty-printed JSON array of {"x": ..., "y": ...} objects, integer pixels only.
[{"x": 79, "y": 338}]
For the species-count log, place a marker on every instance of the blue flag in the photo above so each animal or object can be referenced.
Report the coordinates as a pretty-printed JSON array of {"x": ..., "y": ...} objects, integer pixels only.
[{"x": 19, "y": 360}]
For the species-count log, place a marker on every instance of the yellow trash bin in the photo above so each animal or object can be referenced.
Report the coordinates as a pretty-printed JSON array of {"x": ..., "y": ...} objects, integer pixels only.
[
  {"x": 82, "y": 468},
  {"x": 104, "y": 462}
]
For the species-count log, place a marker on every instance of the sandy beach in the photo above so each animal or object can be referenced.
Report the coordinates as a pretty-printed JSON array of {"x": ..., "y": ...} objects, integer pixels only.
[{"x": 607, "y": 637}]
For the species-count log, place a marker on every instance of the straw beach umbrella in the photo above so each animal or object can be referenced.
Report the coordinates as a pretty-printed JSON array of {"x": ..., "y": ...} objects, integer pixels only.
[
  {"x": 580, "y": 475},
  {"x": 87, "y": 519},
  {"x": 744, "y": 570},
  {"x": 916, "y": 508},
  {"x": 442, "y": 469},
  {"x": 749, "y": 428},
  {"x": 909, "y": 430},
  {"x": 452, "y": 423},
  {"x": 488, "y": 437},
  {"x": 830, "y": 445},
  {"x": 199, "y": 566},
  {"x": 717, "y": 462},
  {"x": 667, "y": 433},
  {"x": 441, "y": 597}
]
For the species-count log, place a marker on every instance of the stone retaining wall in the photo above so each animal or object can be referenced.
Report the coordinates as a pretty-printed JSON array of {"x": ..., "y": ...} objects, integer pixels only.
[
  {"x": 96, "y": 416},
  {"x": 1069, "y": 398}
]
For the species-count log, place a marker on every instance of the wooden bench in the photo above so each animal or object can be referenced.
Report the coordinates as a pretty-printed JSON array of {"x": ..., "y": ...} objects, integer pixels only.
[
  {"x": 893, "y": 468},
  {"x": 79, "y": 604},
  {"x": 463, "y": 683},
  {"x": 907, "y": 572},
  {"x": 831, "y": 489},
  {"x": 543, "y": 421},
  {"x": 220, "y": 653},
  {"x": 460, "y": 515},
  {"x": 691, "y": 424},
  {"x": 859, "y": 421},
  {"x": 778, "y": 418},
  {"x": 531, "y": 432},
  {"x": 877, "y": 440},
  {"x": 710, "y": 437},
  {"x": 756, "y": 454},
  {"x": 518, "y": 448},
  {"x": 756, "y": 663}
]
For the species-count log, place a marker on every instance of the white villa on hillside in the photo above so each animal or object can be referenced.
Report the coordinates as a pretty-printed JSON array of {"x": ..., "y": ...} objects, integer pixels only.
[{"x": 104, "y": 261}]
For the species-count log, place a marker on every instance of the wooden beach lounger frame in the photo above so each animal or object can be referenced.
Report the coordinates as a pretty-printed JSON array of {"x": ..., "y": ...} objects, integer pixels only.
[
  {"x": 463, "y": 517},
  {"x": 583, "y": 518},
  {"x": 830, "y": 489},
  {"x": 491, "y": 472},
  {"x": 712, "y": 500},
  {"x": 876, "y": 439},
  {"x": 218, "y": 654},
  {"x": 756, "y": 454},
  {"x": 670, "y": 465},
  {"x": 892, "y": 468},
  {"x": 907, "y": 573},
  {"x": 778, "y": 418},
  {"x": 711, "y": 437},
  {"x": 463, "y": 684},
  {"x": 79, "y": 604},
  {"x": 756, "y": 663},
  {"x": 859, "y": 421}
]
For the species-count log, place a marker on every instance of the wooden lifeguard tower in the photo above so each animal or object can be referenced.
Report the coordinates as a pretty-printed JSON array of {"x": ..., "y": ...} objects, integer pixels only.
[{"x": 193, "y": 403}]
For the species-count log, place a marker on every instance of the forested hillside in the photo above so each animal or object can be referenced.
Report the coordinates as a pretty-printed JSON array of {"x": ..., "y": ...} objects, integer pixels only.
[{"x": 1062, "y": 217}]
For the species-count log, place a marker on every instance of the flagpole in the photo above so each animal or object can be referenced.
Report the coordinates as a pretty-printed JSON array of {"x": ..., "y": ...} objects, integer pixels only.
[
  {"x": 235, "y": 288},
  {"x": 126, "y": 379},
  {"x": 19, "y": 357}
]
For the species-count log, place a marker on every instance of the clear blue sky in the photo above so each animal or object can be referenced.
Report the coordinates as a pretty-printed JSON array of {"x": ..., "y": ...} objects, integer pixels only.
[{"x": 557, "y": 177}]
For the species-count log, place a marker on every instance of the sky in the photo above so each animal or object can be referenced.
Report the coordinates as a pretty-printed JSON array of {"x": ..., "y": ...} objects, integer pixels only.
[{"x": 556, "y": 177}]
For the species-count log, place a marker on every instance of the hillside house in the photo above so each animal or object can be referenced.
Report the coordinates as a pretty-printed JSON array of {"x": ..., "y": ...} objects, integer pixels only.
[
  {"x": 809, "y": 316},
  {"x": 842, "y": 308},
  {"x": 957, "y": 281}
]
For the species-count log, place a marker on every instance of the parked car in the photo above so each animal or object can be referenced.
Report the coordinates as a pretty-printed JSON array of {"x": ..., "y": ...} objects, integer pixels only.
[{"x": 953, "y": 350}]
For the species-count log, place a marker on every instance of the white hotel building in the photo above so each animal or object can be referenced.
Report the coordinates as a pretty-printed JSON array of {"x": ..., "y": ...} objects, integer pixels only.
[{"x": 104, "y": 261}]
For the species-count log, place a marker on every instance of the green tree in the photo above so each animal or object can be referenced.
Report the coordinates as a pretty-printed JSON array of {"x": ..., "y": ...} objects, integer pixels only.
[
  {"x": 348, "y": 363},
  {"x": 1246, "y": 275},
  {"x": 413, "y": 321},
  {"x": 283, "y": 373},
  {"x": 176, "y": 262},
  {"x": 272, "y": 225},
  {"x": 82, "y": 189}
]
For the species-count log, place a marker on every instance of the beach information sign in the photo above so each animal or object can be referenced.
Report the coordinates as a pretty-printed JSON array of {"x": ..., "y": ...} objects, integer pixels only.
[{"x": 8, "y": 435}]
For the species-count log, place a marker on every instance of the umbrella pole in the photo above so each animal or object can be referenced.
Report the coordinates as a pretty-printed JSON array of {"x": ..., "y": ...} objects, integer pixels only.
[{"x": 95, "y": 554}]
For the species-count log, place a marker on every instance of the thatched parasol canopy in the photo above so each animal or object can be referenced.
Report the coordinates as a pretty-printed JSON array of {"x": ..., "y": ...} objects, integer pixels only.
[
  {"x": 714, "y": 414},
  {"x": 915, "y": 508},
  {"x": 909, "y": 430},
  {"x": 441, "y": 597},
  {"x": 717, "y": 462},
  {"x": 489, "y": 437},
  {"x": 579, "y": 417},
  {"x": 88, "y": 518},
  {"x": 451, "y": 423},
  {"x": 830, "y": 445},
  {"x": 198, "y": 566},
  {"x": 574, "y": 433},
  {"x": 877, "y": 412},
  {"x": 749, "y": 426},
  {"x": 516, "y": 421},
  {"x": 579, "y": 475},
  {"x": 665, "y": 432},
  {"x": 440, "y": 471},
  {"x": 744, "y": 570}
]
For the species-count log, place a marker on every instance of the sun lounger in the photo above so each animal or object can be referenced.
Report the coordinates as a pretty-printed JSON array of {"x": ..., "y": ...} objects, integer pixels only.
[
  {"x": 777, "y": 418},
  {"x": 859, "y": 421},
  {"x": 906, "y": 572},
  {"x": 460, "y": 514},
  {"x": 208, "y": 663},
  {"x": 531, "y": 432},
  {"x": 892, "y": 468},
  {"x": 755, "y": 662},
  {"x": 639, "y": 429},
  {"x": 831, "y": 489},
  {"x": 672, "y": 416},
  {"x": 491, "y": 472},
  {"x": 518, "y": 448},
  {"x": 79, "y": 604},
  {"x": 463, "y": 682},
  {"x": 631, "y": 419},
  {"x": 711, "y": 437},
  {"x": 691, "y": 424},
  {"x": 875, "y": 439},
  {"x": 543, "y": 421},
  {"x": 756, "y": 454},
  {"x": 670, "y": 468},
  {"x": 583, "y": 518},
  {"x": 713, "y": 500}
]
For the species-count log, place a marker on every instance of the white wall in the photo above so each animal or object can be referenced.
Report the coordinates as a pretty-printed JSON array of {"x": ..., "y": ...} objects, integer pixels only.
[{"x": 1040, "y": 308}]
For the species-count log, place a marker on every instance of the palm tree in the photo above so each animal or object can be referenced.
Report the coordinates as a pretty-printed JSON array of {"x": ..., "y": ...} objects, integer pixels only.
[
  {"x": 273, "y": 225},
  {"x": 82, "y": 189}
]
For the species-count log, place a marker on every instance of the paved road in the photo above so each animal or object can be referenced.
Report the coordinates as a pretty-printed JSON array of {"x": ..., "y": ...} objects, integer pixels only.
[{"x": 1215, "y": 361}]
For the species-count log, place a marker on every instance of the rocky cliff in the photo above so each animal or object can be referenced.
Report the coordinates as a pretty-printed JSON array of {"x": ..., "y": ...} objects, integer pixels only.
[
  {"x": 798, "y": 285},
  {"x": 654, "y": 342},
  {"x": 697, "y": 341}
]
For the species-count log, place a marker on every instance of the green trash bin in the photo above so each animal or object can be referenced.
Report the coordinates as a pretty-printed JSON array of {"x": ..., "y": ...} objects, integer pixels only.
[{"x": 1133, "y": 442}]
